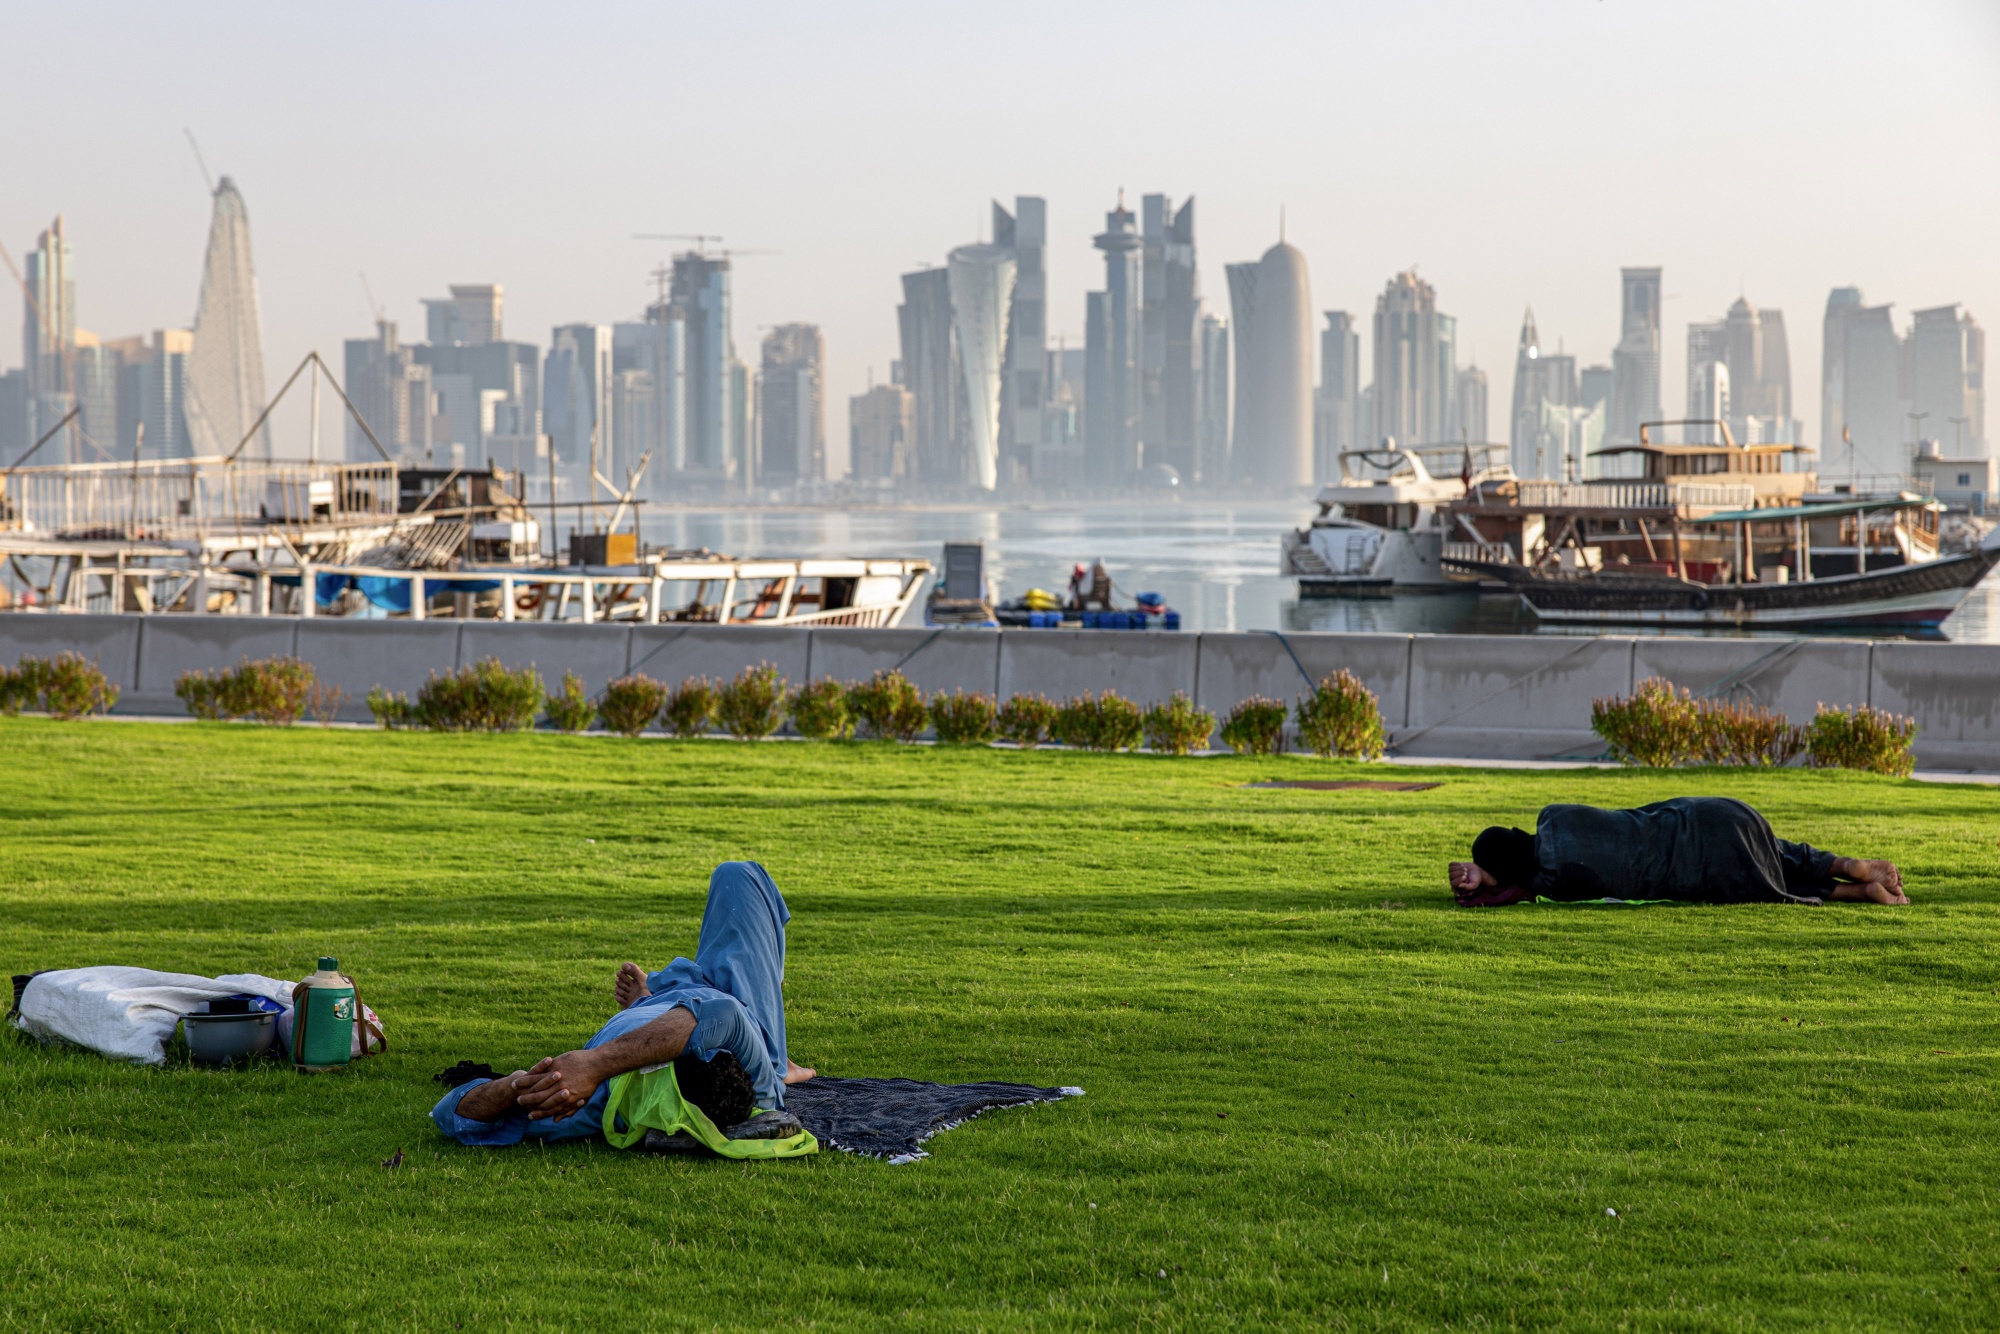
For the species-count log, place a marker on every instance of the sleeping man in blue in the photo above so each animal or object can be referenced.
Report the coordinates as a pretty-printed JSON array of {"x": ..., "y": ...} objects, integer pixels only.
[{"x": 728, "y": 998}]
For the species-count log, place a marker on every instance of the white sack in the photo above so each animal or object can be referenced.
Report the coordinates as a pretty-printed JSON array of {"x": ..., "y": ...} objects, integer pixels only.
[{"x": 129, "y": 1013}]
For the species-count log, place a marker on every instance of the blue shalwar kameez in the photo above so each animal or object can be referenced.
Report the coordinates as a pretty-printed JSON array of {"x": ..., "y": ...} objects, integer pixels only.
[{"x": 734, "y": 987}]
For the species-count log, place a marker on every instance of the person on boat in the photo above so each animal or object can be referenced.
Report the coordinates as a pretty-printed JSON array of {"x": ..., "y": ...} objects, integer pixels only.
[
  {"x": 719, "y": 1017},
  {"x": 1687, "y": 850}
]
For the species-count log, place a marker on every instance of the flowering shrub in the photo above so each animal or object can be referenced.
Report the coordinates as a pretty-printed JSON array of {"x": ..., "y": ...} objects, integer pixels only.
[
  {"x": 1873, "y": 740},
  {"x": 568, "y": 709},
  {"x": 630, "y": 704},
  {"x": 1255, "y": 727},
  {"x": 889, "y": 706},
  {"x": 691, "y": 707},
  {"x": 1025, "y": 720},
  {"x": 752, "y": 706},
  {"x": 1341, "y": 718},
  {"x": 1178, "y": 727},
  {"x": 1107, "y": 722},
  {"x": 964, "y": 719},
  {"x": 819, "y": 711}
]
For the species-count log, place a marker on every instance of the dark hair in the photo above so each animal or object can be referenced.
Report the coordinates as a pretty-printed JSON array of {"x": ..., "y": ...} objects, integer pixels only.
[
  {"x": 721, "y": 1087},
  {"x": 1508, "y": 854}
]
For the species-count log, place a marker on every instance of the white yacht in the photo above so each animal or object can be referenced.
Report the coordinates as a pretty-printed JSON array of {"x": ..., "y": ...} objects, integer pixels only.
[{"x": 1382, "y": 525}]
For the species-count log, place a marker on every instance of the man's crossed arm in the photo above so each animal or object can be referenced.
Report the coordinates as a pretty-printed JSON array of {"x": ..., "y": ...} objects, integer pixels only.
[{"x": 557, "y": 1086}]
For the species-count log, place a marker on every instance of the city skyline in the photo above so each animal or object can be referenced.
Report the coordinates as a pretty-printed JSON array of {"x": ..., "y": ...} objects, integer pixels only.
[{"x": 1359, "y": 206}]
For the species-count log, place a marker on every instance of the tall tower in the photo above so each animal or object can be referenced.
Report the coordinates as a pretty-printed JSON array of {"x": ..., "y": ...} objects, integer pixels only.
[
  {"x": 1947, "y": 378},
  {"x": 1242, "y": 280},
  {"x": 791, "y": 419},
  {"x": 1276, "y": 376},
  {"x": 226, "y": 369},
  {"x": 930, "y": 371},
  {"x": 1112, "y": 441},
  {"x": 701, "y": 290},
  {"x": 1339, "y": 392},
  {"x": 1025, "y": 232},
  {"x": 982, "y": 290},
  {"x": 48, "y": 334},
  {"x": 1635, "y": 362},
  {"x": 1408, "y": 353},
  {"x": 1842, "y": 304},
  {"x": 1170, "y": 350}
]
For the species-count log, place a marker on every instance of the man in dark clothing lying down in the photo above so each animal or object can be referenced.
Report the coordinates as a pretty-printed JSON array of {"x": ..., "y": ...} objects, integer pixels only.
[{"x": 1687, "y": 850}]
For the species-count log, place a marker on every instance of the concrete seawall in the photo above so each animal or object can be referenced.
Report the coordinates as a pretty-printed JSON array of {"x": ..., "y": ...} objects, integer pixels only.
[{"x": 1472, "y": 696}]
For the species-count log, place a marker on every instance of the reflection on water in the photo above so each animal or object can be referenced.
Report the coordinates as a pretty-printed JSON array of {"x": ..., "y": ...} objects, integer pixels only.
[{"x": 1216, "y": 563}]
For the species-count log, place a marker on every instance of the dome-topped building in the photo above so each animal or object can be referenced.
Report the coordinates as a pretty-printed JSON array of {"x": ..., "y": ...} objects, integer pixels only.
[{"x": 1274, "y": 371}]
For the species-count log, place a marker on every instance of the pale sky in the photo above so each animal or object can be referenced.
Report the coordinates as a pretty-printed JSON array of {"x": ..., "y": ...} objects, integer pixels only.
[{"x": 1516, "y": 153}]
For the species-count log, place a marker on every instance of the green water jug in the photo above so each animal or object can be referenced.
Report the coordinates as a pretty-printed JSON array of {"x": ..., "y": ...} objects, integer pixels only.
[{"x": 323, "y": 1012}]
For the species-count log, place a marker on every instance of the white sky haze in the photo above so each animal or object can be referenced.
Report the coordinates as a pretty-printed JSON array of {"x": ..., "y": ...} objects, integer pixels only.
[{"x": 1516, "y": 153}]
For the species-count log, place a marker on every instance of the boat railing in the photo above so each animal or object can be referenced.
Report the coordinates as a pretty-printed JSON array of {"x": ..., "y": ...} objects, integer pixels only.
[
  {"x": 1492, "y": 553},
  {"x": 176, "y": 499},
  {"x": 1680, "y": 497}
]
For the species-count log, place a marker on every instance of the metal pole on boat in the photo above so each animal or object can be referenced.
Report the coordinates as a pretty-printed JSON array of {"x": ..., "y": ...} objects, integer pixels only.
[
  {"x": 1861, "y": 541},
  {"x": 416, "y": 597},
  {"x": 589, "y": 601},
  {"x": 308, "y": 590},
  {"x": 506, "y": 598}
]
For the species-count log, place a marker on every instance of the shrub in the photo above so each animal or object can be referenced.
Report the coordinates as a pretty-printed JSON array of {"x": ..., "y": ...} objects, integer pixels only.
[
  {"x": 1025, "y": 720},
  {"x": 1341, "y": 718},
  {"x": 753, "y": 705},
  {"x": 568, "y": 709},
  {"x": 1178, "y": 727},
  {"x": 271, "y": 690},
  {"x": 889, "y": 706},
  {"x": 1655, "y": 726},
  {"x": 963, "y": 719},
  {"x": 1098, "y": 722},
  {"x": 485, "y": 697},
  {"x": 323, "y": 702},
  {"x": 1255, "y": 727},
  {"x": 691, "y": 707},
  {"x": 391, "y": 710},
  {"x": 1864, "y": 738},
  {"x": 1744, "y": 733},
  {"x": 819, "y": 711},
  {"x": 631, "y": 703},
  {"x": 67, "y": 686}
]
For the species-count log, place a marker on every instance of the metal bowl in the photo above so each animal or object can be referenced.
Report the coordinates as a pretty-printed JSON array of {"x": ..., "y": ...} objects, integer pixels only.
[{"x": 219, "y": 1039}]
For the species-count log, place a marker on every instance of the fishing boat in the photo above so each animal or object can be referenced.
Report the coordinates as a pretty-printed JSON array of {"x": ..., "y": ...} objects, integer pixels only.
[
  {"x": 1381, "y": 526},
  {"x": 1748, "y": 544}
]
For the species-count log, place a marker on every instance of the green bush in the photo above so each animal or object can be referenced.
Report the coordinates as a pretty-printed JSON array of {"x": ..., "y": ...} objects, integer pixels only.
[
  {"x": 752, "y": 706},
  {"x": 391, "y": 709},
  {"x": 1656, "y": 726},
  {"x": 568, "y": 709},
  {"x": 1870, "y": 739},
  {"x": 1744, "y": 733},
  {"x": 963, "y": 719},
  {"x": 691, "y": 707},
  {"x": 819, "y": 711},
  {"x": 272, "y": 690},
  {"x": 889, "y": 706},
  {"x": 1256, "y": 726},
  {"x": 1025, "y": 720},
  {"x": 630, "y": 704},
  {"x": 67, "y": 686},
  {"x": 1178, "y": 727},
  {"x": 1341, "y": 718},
  {"x": 1098, "y": 722}
]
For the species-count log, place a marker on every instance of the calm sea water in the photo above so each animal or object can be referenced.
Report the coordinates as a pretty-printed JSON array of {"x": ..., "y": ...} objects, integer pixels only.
[{"x": 1216, "y": 563}]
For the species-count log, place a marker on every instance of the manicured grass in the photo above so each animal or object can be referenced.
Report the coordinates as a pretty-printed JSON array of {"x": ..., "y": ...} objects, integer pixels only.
[{"x": 1319, "y": 1095}]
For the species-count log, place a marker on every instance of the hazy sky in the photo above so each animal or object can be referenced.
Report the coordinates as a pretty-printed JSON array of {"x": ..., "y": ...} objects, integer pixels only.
[{"x": 1516, "y": 153}]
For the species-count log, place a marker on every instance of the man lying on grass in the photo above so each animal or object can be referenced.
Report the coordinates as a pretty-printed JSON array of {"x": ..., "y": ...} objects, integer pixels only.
[
  {"x": 1687, "y": 850},
  {"x": 719, "y": 1018}
]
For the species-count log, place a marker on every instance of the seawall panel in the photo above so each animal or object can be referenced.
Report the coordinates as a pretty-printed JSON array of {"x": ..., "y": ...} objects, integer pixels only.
[
  {"x": 1235, "y": 666},
  {"x": 932, "y": 659},
  {"x": 358, "y": 656},
  {"x": 596, "y": 653},
  {"x": 1144, "y": 668},
  {"x": 112, "y": 642},
  {"x": 1953, "y": 691},
  {"x": 1495, "y": 697},
  {"x": 1793, "y": 676},
  {"x": 672, "y": 653},
  {"x": 171, "y": 645}
]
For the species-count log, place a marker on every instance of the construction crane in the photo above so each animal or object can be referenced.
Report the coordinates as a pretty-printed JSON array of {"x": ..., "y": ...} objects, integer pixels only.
[{"x": 701, "y": 240}]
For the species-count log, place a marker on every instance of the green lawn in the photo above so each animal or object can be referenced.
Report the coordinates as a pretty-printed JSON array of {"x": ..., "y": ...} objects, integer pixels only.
[{"x": 1319, "y": 1094}]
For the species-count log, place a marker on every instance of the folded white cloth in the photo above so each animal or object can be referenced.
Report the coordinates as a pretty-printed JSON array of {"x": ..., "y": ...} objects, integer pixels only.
[{"x": 129, "y": 1013}]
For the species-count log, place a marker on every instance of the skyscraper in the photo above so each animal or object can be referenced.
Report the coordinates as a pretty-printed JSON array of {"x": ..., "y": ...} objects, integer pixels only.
[
  {"x": 1414, "y": 374},
  {"x": 1112, "y": 400},
  {"x": 1339, "y": 393},
  {"x": 1756, "y": 351},
  {"x": 1170, "y": 313},
  {"x": 982, "y": 292},
  {"x": 716, "y": 420},
  {"x": 1635, "y": 362},
  {"x": 1469, "y": 406},
  {"x": 1025, "y": 232},
  {"x": 94, "y": 373},
  {"x": 1276, "y": 376},
  {"x": 1864, "y": 389},
  {"x": 1242, "y": 279},
  {"x": 1545, "y": 392},
  {"x": 1948, "y": 378},
  {"x": 1841, "y": 305},
  {"x": 791, "y": 417},
  {"x": 226, "y": 368},
  {"x": 931, "y": 373},
  {"x": 48, "y": 335},
  {"x": 577, "y": 409},
  {"x": 389, "y": 387},
  {"x": 14, "y": 439},
  {"x": 879, "y": 426},
  {"x": 1214, "y": 399},
  {"x": 1707, "y": 346}
]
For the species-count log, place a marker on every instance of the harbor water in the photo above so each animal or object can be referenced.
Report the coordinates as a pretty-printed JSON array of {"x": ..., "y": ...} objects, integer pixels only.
[{"x": 1216, "y": 563}]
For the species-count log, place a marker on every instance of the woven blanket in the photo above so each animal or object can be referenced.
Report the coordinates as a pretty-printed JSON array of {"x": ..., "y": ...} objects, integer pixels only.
[{"x": 891, "y": 1118}]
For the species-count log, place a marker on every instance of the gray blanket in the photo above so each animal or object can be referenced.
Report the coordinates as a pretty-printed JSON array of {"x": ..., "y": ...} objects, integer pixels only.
[{"x": 891, "y": 1118}]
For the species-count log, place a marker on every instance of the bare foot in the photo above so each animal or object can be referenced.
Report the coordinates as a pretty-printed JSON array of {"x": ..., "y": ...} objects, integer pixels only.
[
  {"x": 1884, "y": 874},
  {"x": 630, "y": 985},
  {"x": 796, "y": 1073}
]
